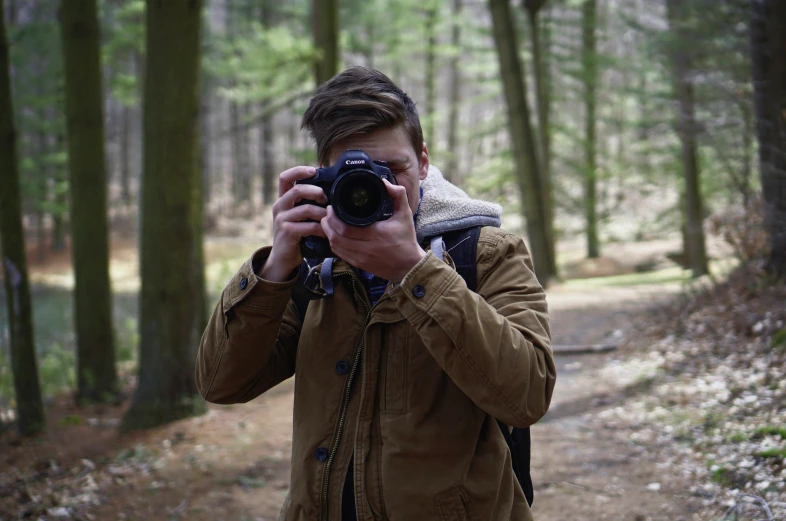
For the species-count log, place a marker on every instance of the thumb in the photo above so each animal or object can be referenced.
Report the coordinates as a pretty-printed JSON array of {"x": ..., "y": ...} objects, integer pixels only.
[{"x": 399, "y": 195}]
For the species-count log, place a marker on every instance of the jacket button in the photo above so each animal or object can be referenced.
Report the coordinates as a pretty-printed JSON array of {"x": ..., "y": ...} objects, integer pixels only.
[
  {"x": 243, "y": 283},
  {"x": 342, "y": 367},
  {"x": 321, "y": 454},
  {"x": 419, "y": 291}
]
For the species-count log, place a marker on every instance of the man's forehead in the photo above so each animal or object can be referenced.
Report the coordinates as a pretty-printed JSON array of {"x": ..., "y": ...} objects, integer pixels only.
[{"x": 390, "y": 145}]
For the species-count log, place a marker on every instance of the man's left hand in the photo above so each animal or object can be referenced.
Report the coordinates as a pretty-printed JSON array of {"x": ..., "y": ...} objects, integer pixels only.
[{"x": 388, "y": 249}]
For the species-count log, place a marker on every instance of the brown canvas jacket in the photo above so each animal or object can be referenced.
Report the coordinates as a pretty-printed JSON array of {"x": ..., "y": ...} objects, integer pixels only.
[{"x": 412, "y": 387}]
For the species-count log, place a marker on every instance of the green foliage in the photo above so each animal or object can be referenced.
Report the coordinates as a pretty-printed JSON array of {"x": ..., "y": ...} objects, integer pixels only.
[
  {"x": 38, "y": 88},
  {"x": 779, "y": 339},
  {"x": 123, "y": 49},
  {"x": 254, "y": 64}
]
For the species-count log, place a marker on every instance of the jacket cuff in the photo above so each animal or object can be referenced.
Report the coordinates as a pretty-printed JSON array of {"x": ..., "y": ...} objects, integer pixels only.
[
  {"x": 423, "y": 285},
  {"x": 248, "y": 287}
]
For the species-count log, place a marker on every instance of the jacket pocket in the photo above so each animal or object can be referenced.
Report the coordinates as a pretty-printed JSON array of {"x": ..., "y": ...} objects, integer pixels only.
[
  {"x": 454, "y": 505},
  {"x": 395, "y": 353}
]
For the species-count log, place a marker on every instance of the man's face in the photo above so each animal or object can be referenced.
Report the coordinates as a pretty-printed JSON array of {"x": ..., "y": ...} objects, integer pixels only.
[{"x": 393, "y": 146}]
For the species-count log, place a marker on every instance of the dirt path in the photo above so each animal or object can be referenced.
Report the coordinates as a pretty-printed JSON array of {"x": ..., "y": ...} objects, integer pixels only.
[
  {"x": 233, "y": 463},
  {"x": 583, "y": 469}
]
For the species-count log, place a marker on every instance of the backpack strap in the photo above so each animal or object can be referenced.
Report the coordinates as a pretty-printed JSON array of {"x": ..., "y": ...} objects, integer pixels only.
[{"x": 306, "y": 289}]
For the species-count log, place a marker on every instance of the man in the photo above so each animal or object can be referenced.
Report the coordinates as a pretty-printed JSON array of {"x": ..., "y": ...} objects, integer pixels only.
[{"x": 401, "y": 373}]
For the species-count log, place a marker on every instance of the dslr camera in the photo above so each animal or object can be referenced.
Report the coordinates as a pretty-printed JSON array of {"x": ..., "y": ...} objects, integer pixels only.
[{"x": 354, "y": 187}]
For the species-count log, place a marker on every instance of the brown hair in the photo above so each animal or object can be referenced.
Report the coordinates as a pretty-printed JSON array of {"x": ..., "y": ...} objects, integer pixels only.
[{"x": 357, "y": 101}]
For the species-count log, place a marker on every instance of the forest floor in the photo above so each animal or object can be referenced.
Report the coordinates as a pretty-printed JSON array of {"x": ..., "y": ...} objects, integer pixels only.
[{"x": 606, "y": 449}]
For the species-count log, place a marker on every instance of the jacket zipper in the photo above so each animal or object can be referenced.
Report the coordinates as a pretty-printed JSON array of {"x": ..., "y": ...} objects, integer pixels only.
[{"x": 358, "y": 361}]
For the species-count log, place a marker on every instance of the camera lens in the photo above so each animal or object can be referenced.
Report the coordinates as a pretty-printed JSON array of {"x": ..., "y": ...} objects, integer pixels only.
[{"x": 358, "y": 197}]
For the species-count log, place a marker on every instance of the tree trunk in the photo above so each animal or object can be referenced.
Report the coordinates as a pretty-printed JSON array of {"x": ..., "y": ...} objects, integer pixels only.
[
  {"x": 60, "y": 192},
  {"x": 540, "y": 74},
  {"x": 171, "y": 267},
  {"x": 205, "y": 138},
  {"x": 241, "y": 171},
  {"x": 29, "y": 407},
  {"x": 521, "y": 135},
  {"x": 590, "y": 72},
  {"x": 768, "y": 38},
  {"x": 125, "y": 155},
  {"x": 268, "y": 157},
  {"x": 241, "y": 168},
  {"x": 96, "y": 373},
  {"x": 324, "y": 18},
  {"x": 688, "y": 129},
  {"x": 451, "y": 173},
  {"x": 430, "y": 136}
]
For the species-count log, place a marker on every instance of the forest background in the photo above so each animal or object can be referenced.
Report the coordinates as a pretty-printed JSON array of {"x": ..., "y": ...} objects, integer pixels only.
[{"x": 141, "y": 144}]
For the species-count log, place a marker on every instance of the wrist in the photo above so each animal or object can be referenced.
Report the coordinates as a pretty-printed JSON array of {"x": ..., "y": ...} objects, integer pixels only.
[
  {"x": 274, "y": 269},
  {"x": 418, "y": 255}
]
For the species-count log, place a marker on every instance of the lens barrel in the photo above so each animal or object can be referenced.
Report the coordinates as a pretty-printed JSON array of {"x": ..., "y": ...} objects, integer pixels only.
[{"x": 358, "y": 197}]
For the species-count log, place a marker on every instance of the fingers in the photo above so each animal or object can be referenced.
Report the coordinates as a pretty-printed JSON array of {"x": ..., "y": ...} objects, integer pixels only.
[
  {"x": 298, "y": 230},
  {"x": 287, "y": 178},
  {"x": 347, "y": 230},
  {"x": 336, "y": 238},
  {"x": 399, "y": 195},
  {"x": 301, "y": 213},
  {"x": 296, "y": 194}
]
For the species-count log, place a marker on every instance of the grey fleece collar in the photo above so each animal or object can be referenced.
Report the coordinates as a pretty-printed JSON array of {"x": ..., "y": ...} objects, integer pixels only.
[{"x": 445, "y": 207}]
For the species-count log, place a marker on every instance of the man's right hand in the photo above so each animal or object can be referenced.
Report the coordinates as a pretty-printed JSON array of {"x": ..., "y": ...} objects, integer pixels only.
[{"x": 288, "y": 222}]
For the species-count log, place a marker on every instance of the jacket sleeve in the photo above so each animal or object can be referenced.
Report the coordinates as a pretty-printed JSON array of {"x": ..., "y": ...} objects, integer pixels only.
[
  {"x": 494, "y": 344},
  {"x": 250, "y": 342}
]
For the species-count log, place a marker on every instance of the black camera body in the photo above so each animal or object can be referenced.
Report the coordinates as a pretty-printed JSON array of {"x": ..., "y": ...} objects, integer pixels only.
[{"x": 354, "y": 187}]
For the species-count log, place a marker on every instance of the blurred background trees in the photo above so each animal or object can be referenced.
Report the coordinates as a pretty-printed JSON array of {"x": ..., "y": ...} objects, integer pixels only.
[{"x": 593, "y": 122}]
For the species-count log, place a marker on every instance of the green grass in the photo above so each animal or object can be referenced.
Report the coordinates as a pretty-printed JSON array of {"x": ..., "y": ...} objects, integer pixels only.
[
  {"x": 772, "y": 453},
  {"x": 665, "y": 276},
  {"x": 738, "y": 437},
  {"x": 771, "y": 430},
  {"x": 673, "y": 275}
]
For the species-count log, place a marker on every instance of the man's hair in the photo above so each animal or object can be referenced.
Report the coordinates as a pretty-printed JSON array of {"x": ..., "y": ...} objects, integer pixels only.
[{"x": 357, "y": 101}]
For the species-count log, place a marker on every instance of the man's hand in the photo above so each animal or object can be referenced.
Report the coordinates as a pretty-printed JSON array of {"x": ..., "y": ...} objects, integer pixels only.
[
  {"x": 288, "y": 225},
  {"x": 388, "y": 249}
]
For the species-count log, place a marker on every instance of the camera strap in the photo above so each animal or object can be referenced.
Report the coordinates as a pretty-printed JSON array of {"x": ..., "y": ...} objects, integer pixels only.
[{"x": 326, "y": 275}]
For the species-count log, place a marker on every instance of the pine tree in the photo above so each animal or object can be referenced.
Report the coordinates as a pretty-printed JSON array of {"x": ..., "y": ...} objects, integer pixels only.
[
  {"x": 172, "y": 310},
  {"x": 30, "y": 409},
  {"x": 96, "y": 373}
]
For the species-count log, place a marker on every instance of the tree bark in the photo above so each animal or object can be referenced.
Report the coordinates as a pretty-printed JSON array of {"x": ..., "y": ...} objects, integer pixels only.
[
  {"x": 590, "y": 68},
  {"x": 324, "y": 18},
  {"x": 29, "y": 407},
  {"x": 96, "y": 373},
  {"x": 688, "y": 130},
  {"x": 541, "y": 76},
  {"x": 522, "y": 138},
  {"x": 171, "y": 261},
  {"x": 768, "y": 45},
  {"x": 268, "y": 161},
  {"x": 432, "y": 13},
  {"x": 125, "y": 155},
  {"x": 268, "y": 156},
  {"x": 452, "y": 173},
  {"x": 241, "y": 167}
]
